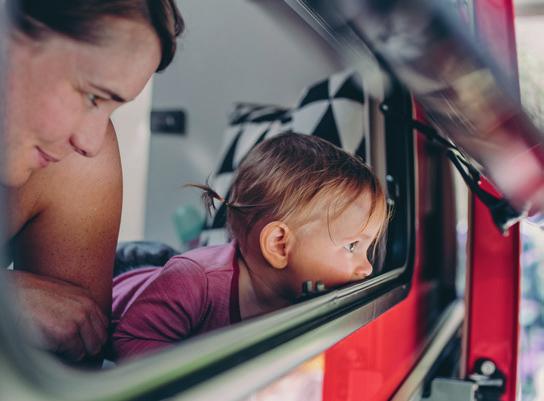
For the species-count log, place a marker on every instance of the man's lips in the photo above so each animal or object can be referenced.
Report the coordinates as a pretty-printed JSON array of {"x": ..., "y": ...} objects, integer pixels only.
[
  {"x": 49, "y": 157},
  {"x": 46, "y": 158}
]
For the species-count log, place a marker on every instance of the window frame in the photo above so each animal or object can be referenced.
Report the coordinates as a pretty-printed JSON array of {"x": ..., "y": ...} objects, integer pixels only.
[{"x": 217, "y": 364}]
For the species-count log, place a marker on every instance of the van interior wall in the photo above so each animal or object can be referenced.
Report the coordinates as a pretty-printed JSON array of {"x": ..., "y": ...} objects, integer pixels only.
[
  {"x": 131, "y": 122},
  {"x": 250, "y": 51}
]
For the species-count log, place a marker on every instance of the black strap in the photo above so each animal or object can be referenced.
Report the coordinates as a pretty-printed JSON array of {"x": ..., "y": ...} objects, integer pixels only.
[{"x": 503, "y": 214}]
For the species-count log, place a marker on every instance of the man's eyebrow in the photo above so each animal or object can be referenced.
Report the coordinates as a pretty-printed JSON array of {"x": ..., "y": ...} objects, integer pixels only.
[{"x": 114, "y": 96}]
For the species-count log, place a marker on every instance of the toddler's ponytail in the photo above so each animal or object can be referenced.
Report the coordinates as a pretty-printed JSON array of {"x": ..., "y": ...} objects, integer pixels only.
[{"x": 209, "y": 195}]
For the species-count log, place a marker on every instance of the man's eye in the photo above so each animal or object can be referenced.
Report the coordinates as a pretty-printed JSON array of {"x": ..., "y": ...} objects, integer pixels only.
[
  {"x": 351, "y": 246},
  {"x": 93, "y": 99}
]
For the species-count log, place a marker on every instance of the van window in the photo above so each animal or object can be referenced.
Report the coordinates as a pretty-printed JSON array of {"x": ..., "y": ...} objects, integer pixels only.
[{"x": 220, "y": 72}]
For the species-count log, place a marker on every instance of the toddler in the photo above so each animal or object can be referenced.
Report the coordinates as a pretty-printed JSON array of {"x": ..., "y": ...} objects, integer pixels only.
[{"x": 300, "y": 209}]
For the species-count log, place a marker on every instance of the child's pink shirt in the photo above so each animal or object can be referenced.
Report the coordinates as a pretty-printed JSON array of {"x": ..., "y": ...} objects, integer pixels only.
[{"x": 193, "y": 293}]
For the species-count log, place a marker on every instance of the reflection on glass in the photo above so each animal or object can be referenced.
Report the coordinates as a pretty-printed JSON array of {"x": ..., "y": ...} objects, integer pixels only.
[
  {"x": 304, "y": 383},
  {"x": 463, "y": 93}
]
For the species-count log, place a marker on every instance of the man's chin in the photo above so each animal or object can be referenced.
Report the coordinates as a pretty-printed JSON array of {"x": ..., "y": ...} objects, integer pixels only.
[{"x": 14, "y": 179}]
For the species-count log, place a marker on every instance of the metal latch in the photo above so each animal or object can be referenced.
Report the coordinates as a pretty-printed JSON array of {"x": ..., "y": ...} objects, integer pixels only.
[{"x": 486, "y": 384}]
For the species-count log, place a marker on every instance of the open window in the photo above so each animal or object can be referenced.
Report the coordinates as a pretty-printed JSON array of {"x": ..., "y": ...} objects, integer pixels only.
[{"x": 272, "y": 343}]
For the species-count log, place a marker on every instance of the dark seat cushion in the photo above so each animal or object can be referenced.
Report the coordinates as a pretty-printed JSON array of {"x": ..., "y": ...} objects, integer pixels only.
[{"x": 133, "y": 254}]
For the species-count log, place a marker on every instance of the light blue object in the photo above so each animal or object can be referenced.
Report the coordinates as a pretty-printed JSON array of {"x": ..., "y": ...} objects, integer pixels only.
[{"x": 188, "y": 221}]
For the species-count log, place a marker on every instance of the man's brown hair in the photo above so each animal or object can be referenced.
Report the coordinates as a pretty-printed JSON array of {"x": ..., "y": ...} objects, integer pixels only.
[{"x": 84, "y": 20}]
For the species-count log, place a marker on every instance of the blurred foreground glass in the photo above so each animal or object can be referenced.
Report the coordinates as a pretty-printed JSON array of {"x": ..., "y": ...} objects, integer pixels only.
[
  {"x": 464, "y": 92},
  {"x": 529, "y": 30}
]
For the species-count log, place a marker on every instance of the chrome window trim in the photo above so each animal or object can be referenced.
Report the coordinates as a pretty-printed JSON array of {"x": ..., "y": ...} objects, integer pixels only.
[
  {"x": 45, "y": 378},
  {"x": 450, "y": 323}
]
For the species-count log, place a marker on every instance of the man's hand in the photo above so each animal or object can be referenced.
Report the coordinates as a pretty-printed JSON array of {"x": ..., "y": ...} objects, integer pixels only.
[{"x": 69, "y": 321}]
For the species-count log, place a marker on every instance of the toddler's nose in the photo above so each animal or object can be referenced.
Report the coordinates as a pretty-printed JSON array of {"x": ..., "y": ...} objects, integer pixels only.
[{"x": 363, "y": 270}]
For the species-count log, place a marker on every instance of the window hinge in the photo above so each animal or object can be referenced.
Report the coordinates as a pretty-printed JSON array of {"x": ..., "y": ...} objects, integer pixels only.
[{"x": 486, "y": 384}]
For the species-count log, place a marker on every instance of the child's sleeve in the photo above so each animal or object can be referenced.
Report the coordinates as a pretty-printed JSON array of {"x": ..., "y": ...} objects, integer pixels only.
[{"x": 166, "y": 311}]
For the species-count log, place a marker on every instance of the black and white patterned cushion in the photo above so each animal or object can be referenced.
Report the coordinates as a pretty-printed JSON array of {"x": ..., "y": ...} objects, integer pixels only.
[{"x": 334, "y": 109}]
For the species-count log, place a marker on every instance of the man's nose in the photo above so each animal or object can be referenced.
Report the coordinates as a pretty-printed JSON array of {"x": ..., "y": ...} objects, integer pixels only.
[{"x": 89, "y": 135}]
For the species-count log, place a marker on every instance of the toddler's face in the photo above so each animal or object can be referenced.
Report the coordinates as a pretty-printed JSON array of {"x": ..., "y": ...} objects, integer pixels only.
[{"x": 334, "y": 252}]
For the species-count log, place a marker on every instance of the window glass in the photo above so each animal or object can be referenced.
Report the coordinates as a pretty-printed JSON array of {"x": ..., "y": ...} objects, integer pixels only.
[
  {"x": 326, "y": 94},
  {"x": 314, "y": 90},
  {"x": 304, "y": 383}
]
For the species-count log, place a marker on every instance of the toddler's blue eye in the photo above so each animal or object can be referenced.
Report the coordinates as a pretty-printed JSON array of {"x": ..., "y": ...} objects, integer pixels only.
[{"x": 351, "y": 246}]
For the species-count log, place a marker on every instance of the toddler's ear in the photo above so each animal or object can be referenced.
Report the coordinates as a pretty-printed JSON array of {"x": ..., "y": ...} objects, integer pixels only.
[{"x": 274, "y": 241}]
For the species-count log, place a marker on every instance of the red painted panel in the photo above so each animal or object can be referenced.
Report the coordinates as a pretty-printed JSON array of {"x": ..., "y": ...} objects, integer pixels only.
[
  {"x": 493, "y": 291},
  {"x": 493, "y": 286},
  {"x": 372, "y": 362}
]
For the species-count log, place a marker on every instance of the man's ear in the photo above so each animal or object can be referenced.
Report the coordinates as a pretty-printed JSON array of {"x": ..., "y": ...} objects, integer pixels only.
[{"x": 274, "y": 241}]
